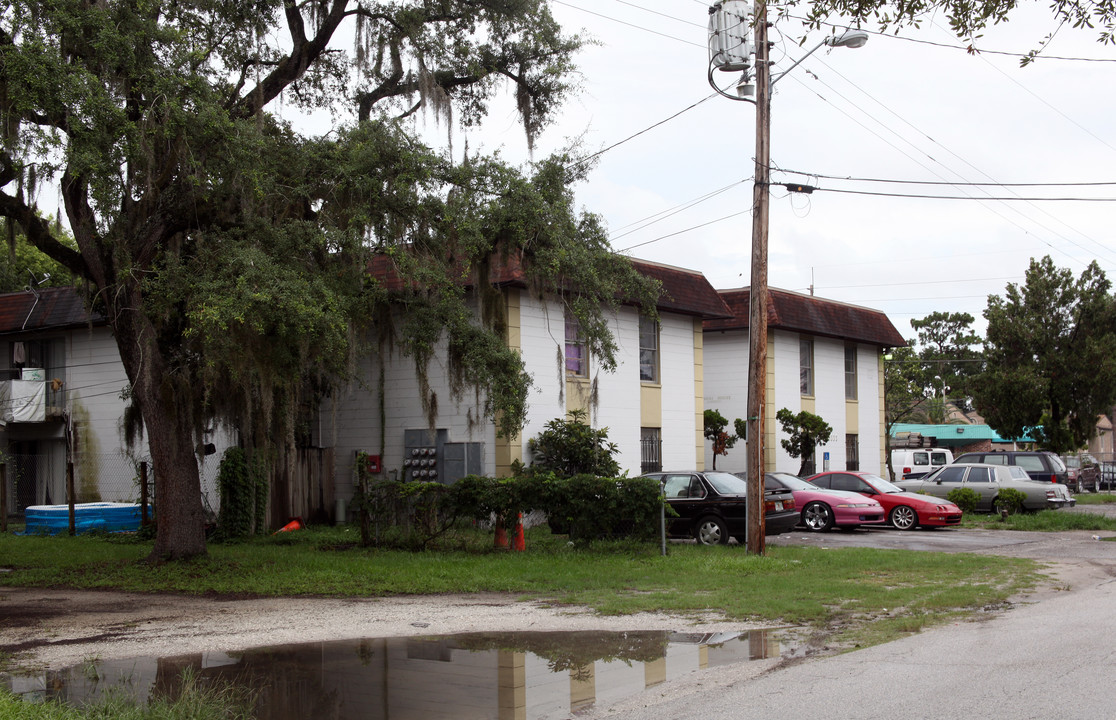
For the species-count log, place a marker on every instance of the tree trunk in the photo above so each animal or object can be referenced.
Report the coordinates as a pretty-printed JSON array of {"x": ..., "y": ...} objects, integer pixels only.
[{"x": 180, "y": 520}]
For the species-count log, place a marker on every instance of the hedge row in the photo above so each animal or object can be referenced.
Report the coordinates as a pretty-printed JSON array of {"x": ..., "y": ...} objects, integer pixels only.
[{"x": 585, "y": 507}]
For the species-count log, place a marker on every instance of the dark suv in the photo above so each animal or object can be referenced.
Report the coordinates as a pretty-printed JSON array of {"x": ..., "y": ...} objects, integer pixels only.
[{"x": 1040, "y": 465}]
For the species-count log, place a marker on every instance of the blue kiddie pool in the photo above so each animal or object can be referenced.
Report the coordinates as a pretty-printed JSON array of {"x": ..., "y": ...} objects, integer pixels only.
[{"x": 106, "y": 516}]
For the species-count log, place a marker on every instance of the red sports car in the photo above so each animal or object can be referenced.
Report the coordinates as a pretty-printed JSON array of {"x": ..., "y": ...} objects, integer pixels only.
[{"x": 905, "y": 510}]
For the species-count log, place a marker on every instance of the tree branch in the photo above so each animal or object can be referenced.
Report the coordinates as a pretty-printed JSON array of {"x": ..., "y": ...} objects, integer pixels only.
[{"x": 292, "y": 67}]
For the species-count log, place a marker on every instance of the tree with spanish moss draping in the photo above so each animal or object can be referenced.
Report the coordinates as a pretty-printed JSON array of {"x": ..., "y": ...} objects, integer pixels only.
[{"x": 227, "y": 247}]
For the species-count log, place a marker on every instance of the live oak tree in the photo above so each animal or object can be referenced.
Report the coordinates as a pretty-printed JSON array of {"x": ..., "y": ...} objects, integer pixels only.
[
  {"x": 1048, "y": 351},
  {"x": 228, "y": 249}
]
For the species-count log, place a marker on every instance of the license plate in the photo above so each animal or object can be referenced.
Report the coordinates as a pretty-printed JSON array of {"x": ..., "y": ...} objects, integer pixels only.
[{"x": 778, "y": 505}]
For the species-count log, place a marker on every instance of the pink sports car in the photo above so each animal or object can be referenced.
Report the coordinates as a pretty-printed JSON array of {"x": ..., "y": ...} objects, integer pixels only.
[{"x": 821, "y": 509}]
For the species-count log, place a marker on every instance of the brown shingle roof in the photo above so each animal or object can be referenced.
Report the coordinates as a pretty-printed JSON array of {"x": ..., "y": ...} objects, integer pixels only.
[
  {"x": 55, "y": 308},
  {"x": 686, "y": 292},
  {"x": 811, "y": 315}
]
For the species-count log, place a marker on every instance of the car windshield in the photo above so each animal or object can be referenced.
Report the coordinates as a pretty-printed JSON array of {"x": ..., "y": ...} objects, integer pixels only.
[
  {"x": 882, "y": 485},
  {"x": 726, "y": 483},
  {"x": 1056, "y": 461},
  {"x": 794, "y": 483},
  {"x": 1073, "y": 461},
  {"x": 1018, "y": 473}
]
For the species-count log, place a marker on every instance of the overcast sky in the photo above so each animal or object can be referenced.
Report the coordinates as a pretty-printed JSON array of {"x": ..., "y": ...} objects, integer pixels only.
[{"x": 895, "y": 109}]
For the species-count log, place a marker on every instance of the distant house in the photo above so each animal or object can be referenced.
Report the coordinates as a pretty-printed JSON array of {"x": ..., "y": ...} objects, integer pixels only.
[
  {"x": 823, "y": 356},
  {"x": 61, "y": 389},
  {"x": 60, "y": 385},
  {"x": 652, "y": 404}
]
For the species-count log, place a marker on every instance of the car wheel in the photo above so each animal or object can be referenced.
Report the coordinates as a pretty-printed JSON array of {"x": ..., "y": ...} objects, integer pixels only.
[
  {"x": 904, "y": 517},
  {"x": 817, "y": 517},
  {"x": 711, "y": 531}
]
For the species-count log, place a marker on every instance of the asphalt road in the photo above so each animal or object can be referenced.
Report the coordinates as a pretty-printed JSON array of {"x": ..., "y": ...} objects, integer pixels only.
[{"x": 1052, "y": 655}]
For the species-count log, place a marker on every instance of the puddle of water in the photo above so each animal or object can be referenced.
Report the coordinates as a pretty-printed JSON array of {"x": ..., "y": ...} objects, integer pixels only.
[{"x": 521, "y": 675}]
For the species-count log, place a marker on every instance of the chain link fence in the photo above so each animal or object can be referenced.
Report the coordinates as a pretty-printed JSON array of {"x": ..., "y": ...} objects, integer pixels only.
[{"x": 40, "y": 479}]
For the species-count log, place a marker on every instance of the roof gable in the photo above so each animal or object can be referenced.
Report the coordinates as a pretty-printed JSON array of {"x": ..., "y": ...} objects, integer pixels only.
[{"x": 812, "y": 315}]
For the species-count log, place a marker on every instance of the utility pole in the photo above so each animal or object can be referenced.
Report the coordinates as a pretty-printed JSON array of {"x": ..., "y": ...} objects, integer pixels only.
[
  {"x": 757, "y": 295},
  {"x": 729, "y": 51}
]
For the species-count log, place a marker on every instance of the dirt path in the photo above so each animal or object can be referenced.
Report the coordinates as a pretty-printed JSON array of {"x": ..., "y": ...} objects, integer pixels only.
[{"x": 57, "y": 628}]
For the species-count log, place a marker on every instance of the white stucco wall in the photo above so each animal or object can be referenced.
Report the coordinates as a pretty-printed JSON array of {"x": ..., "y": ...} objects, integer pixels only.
[
  {"x": 679, "y": 426},
  {"x": 352, "y": 419},
  {"x": 352, "y": 423},
  {"x": 93, "y": 379},
  {"x": 726, "y": 389},
  {"x": 542, "y": 339}
]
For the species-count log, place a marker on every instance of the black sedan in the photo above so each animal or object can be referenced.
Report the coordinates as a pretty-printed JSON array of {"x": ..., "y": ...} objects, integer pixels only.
[{"x": 712, "y": 506}]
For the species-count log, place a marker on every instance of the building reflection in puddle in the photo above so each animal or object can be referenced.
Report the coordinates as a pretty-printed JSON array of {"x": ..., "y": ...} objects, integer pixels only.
[{"x": 503, "y": 676}]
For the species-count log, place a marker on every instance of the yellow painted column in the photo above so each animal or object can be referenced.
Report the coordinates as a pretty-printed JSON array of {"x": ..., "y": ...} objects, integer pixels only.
[
  {"x": 512, "y": 686},
  {"x": 510, "y": 450}
]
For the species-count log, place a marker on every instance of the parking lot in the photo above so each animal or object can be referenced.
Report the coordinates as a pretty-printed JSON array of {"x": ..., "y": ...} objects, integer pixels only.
[{"x": 1083, "y": 545}]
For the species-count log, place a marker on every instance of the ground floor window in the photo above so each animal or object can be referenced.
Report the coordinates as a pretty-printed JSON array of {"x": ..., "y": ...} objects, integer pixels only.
[
  {"x": 852, "y": 452},
  {"x": 650, "y": 450}
]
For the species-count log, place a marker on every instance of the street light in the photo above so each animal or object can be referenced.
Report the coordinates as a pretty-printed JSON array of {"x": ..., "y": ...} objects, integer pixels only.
[
  {"x": 944, "y": 389},
  {"x": 729, "y": 50}
]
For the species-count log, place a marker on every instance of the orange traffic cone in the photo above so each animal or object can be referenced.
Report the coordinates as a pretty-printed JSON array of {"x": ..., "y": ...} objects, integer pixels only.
[
  {"x": 518, "y": 543},
  {"x": 501, "y": 540},
  {"x": 292, "y": 525}
]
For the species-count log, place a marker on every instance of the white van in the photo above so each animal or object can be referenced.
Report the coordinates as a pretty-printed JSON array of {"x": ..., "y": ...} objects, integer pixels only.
[{"x": 913, "y": 463}]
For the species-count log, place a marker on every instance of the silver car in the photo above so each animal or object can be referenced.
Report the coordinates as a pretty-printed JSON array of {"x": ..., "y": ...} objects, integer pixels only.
[{"x": 987, "y": 480}]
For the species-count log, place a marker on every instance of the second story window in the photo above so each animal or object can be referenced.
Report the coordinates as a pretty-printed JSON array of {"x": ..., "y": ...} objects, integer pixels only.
[
  {"x": 806, "y": 365},
  {"x": 850, "y": 372},
  {"x": 648, "y": 349},
  {"x": 577, "y": 358}
]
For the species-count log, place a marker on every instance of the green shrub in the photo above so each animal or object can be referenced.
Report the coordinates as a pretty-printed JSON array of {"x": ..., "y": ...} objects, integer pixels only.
[
  {"x": 569, "y": 447},
  {"x": 964, "y": 498},
  {"x": 242, "y": 483},
  {"x": 1010, "y": 499}
]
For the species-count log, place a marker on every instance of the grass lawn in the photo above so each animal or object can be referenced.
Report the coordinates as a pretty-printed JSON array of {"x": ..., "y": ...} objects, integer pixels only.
[
  {"x": 787, "y": 586},
  {"x": 1104, "y": 497},
  {"x": 1043, "y": 521}
]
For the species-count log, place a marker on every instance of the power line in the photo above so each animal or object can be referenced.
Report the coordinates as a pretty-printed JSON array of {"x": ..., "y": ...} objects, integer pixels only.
[
  {"x": 664, "y": 214},
  {"x": 656, "y": 12},
  {"x": 1008, "y": 198},
  {"x": 686, "y": 230},
  {"x": 946, "y": 182},
  {"x": 935, "y": 142},
  {"x": 631, "y": 25},
  {"x": 910, "y": 283},
  {"x": 587, "y": 158}
]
